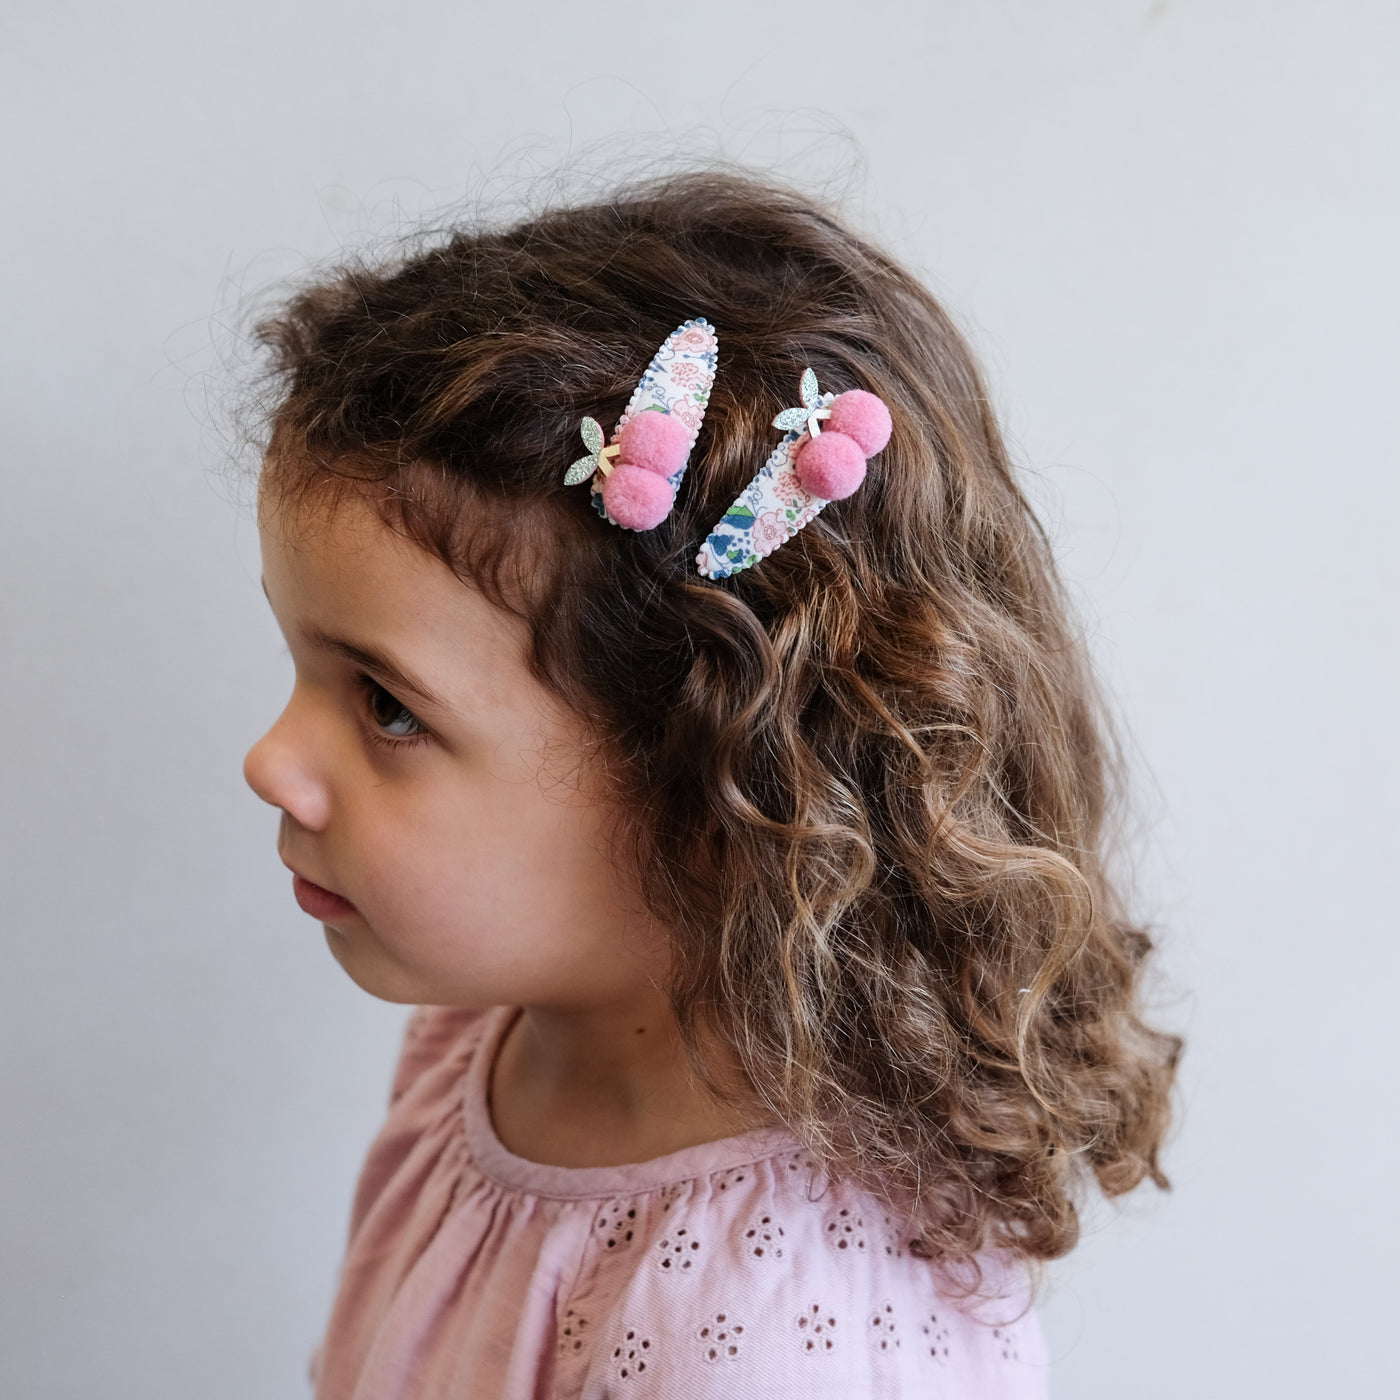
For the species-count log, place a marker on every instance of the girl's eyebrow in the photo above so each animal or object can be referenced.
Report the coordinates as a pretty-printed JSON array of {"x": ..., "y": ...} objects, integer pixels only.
[
  {"x": 399, "y": 679},
  {"x": 395, "y": 677}
]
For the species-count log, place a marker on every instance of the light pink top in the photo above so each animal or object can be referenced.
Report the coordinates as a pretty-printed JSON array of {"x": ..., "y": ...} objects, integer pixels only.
[{"x": 725, "y": 1270}]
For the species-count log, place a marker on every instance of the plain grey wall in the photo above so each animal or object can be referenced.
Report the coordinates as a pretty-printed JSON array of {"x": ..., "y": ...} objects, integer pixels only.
[{"x": 1171, "y": 229}]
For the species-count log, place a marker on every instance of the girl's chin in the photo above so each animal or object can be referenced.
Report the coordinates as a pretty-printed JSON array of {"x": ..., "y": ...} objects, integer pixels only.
[{"x": 360, "y": 965}]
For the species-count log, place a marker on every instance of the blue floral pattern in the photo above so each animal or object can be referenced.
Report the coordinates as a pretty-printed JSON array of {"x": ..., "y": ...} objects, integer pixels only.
[{"x": 770, "y": 510}]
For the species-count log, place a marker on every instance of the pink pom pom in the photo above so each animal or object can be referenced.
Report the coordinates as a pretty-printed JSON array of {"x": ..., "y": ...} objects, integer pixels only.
[
  {"x": 863, "y": 417},
  {"x": 637, "y": 498},
  {"x": 655, "y": 441},
  {"x": 831, "y": 466}
]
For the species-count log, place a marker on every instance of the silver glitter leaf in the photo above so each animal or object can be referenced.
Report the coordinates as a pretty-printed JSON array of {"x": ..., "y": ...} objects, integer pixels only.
[
  {"x": 581, "y": 470},
  {"x": 791, "y": 419},
  {"x": 592, "y": 436},
  {"x": 809, "y": 388}
]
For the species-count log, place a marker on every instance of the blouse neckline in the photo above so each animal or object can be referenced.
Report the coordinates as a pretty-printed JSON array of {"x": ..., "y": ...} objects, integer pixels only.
[{"x": 518, "y": 1174}]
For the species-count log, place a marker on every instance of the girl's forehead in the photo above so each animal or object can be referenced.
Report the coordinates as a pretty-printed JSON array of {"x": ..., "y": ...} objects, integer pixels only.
[
  {"x": 339, "y": 571},
  {"x": 344, "y": 550}
]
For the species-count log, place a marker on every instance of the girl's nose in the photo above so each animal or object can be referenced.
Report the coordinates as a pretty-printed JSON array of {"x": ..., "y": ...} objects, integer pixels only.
[{"x": 278, "y": 768}]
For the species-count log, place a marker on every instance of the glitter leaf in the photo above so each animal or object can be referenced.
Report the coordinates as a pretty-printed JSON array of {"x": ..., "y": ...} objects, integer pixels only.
[
  {"x": 791, "y": 419},
  {"x": 592, "y": 436},
  {"x": 809, "y": 388},
  {"x": 581, "y": 470}
]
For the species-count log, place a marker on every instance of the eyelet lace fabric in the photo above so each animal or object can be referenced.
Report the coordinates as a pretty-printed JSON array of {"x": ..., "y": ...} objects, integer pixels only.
[{"x": 730, "y": 1269}]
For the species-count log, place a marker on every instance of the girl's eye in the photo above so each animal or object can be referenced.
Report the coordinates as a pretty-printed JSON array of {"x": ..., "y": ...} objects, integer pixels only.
[{"x": 394, "y": 719}]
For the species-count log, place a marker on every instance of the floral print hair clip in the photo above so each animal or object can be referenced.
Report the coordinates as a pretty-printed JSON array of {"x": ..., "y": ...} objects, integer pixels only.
[
  {"x": 809, "y": 469},
  {"x": 634, "y": 478}
]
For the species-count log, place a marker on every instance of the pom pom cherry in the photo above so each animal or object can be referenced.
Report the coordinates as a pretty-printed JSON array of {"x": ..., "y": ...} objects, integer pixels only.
[
  {"x": 637, "y": 498},
  {"x": 656, "y": 441},
  {"x": 862, "y": 417},
  {"x": 830, "y": 466}
]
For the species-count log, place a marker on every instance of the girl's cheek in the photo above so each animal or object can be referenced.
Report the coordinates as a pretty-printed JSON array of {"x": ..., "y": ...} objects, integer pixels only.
[{"x": 406, "y": 883}]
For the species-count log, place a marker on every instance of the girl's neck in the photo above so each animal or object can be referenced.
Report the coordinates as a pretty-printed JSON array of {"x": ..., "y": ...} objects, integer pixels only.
[{"x": 604, "y": 1087}]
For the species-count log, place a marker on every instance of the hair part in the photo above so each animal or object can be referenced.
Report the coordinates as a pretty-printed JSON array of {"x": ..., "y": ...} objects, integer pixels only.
[{"x": 868, "y": 779}]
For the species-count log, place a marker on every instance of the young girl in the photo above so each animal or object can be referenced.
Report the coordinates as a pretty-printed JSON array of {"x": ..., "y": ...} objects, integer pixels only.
[{"x": 733, "y": 822}]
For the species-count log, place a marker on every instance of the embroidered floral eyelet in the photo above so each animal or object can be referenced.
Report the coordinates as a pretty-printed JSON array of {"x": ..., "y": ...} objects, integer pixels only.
[
  {"x": 763, "y": 1238},
  {"x": 814, "y": 1331},
  {"x": 614, "y": 1225},
  {"x": 884, "y": 1333},
  {"x": 1007, "y": 1341},
  {"x": 631, "y": 1354},
  {"x": 572, "y": 1335},
  {"x": 935, "y": 1336},
  {"x": 845, "y": 1231},
  {"x": 720, "y": 1338},
  {"x": 678, "y": 1251},
  {"x": 894, "y": 1238}
]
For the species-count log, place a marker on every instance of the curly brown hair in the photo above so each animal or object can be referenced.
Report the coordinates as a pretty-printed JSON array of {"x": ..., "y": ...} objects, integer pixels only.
[{"x": 868, "y": 778}]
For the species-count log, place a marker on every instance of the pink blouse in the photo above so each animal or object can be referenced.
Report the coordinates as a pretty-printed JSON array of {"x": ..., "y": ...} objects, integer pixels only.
[{"x": 730, "y": 1269}]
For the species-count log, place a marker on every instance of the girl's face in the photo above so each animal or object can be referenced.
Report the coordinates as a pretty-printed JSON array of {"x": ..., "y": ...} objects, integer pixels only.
[{"x": 440, "y": 810}]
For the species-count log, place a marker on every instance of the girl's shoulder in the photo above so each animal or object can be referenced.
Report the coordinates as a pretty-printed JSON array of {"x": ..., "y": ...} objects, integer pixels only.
[
  {"x": 433, "y": 1035},
  {"x": 437, "y": 1046},
  {"x": 763, "y": 1273},
  {"x": 731, "y": 1267}
]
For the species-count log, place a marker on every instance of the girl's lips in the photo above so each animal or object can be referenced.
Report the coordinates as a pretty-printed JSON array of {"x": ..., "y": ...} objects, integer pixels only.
[{"x": 320, "y": 904}]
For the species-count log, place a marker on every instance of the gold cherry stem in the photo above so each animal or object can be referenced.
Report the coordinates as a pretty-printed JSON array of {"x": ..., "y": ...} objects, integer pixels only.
[
  {"x": 604, "y": 465},
  {"x": 816, "y": 413}
]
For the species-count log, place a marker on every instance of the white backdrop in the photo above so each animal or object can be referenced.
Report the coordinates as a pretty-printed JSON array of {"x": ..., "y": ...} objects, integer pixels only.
[{"x": 1171, "y": 229}]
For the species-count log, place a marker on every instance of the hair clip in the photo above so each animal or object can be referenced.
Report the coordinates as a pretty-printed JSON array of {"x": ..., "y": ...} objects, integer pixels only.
[
  {"x": 635, "y": 477},
  {"x": 808, "y": 470}
]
